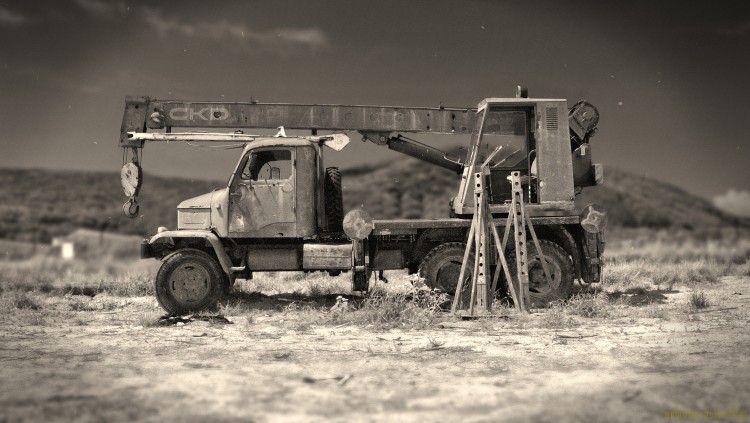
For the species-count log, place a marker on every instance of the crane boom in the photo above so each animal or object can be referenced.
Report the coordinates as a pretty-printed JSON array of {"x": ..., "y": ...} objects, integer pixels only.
[
  {"x": 535, "y": 128},
  {"x": 144, "y": 113}
]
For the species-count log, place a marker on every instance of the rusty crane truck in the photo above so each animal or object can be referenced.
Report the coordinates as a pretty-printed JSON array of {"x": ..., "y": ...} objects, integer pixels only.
[{"x": 282, "y": 210}]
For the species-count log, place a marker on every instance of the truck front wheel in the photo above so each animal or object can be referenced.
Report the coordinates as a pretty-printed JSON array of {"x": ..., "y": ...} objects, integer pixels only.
[{"x": 189, "y": 280}]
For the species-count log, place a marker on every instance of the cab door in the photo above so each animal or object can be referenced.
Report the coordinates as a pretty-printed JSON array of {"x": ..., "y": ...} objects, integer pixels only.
[{"x": 262, "y": 196}]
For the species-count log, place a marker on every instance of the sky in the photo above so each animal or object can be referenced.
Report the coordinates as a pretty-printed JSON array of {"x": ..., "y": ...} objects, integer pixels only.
[{"x": 670, "y": 78}]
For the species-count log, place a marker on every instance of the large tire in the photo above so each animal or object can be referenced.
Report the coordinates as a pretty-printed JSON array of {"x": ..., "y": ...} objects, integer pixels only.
[
  {"x": 441, "y": 268},
  {"x": 334, "y": 200},
  {"x": 189, "y": 280},
  {"x": 560, "y": 266}
]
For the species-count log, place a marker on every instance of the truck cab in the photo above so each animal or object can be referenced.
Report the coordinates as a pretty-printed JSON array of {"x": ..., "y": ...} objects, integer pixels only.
[{"x": 268, "y": 195}]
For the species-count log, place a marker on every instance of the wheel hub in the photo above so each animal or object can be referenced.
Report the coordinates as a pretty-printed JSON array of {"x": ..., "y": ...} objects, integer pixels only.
[
  {"x": 538, "y": 282},
  {"x": 189, "y": 283}
]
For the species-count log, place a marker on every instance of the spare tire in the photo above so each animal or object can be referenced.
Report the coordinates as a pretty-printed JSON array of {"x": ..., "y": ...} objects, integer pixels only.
[{"x": 334, "y": 200}]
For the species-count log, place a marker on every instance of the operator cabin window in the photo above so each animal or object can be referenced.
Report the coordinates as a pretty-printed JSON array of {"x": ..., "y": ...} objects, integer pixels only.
[
  {"x": 506, "y": 128},
  {"x": 269, "y": 165},
  {"x": 509, "y": 129}
]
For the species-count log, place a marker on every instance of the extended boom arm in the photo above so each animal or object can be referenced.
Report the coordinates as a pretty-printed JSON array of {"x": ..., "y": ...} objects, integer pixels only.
[
  {"x": 378, "y": 124},
  {"x": 375, "y": 123},
  {"x": 144, "y": 113}
]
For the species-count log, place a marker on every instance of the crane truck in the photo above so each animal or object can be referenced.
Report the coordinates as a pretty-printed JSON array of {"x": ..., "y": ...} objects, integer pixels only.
[{"x": 282, "y": 209}]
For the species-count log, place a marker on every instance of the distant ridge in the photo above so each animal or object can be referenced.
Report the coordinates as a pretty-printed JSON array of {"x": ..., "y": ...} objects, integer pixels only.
[
  {"x": 639, "y": 201},
  {"x": 40, "y": 204},
  {"x": 411, "y": 188}
]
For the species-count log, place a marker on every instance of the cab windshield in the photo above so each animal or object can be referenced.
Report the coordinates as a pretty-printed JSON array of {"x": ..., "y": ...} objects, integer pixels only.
[{"x": 507, "y": 129}]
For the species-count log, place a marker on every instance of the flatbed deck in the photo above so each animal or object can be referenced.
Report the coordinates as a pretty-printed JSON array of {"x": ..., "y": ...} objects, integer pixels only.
[{"x": 407, "y": 226}]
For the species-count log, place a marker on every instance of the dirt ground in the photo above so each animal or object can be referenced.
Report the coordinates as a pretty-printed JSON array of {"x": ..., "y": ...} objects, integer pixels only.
[{"x": 115, "y": 363}]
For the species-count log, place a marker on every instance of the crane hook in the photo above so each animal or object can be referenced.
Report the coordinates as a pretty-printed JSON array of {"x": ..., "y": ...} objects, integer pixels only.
[{"x": 131, "y": 208}]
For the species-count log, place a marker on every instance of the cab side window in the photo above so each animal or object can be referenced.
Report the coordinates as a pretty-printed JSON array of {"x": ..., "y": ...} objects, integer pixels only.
[{"x": 268, "y": 165}]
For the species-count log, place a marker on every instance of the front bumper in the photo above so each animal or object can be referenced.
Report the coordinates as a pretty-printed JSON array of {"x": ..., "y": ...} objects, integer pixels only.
[{"x": 146, "y": 251}]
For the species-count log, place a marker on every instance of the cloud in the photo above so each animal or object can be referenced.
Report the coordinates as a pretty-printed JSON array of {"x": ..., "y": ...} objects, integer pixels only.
[
  {"x": 9, "y": 18},
  {"x": 75, "y": 81},
  {"x": 104, "y": 9},
  {"x": 734, "y": 201},
  {"x": 283, "y": 41}
]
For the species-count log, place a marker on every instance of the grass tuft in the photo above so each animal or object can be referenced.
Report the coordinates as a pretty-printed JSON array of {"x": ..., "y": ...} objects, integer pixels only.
[
  {"x": 698, "y": 300},
  {"x": 77, "y": 303},
  {"x": 556, "y": 317},
  {"x": 590, "y": 305},
  {"x": 23, "y": 301}
]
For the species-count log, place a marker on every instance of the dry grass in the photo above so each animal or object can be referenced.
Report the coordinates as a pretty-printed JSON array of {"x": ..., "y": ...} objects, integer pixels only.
[
  {"x": 383, "y": 309},
  {"x": 670, "y": 246},
  {"x": 21, "y": 300},
  {"x": 313, "y": 284},
  {"x": 307, "y": 299},
  {"x": 659, "y": 263},
  {"x": 587, "y": 305},
  {"x": 557, "y": 317},
  {"x": 590, "y": 305},
  {"x": 59, "y": 277},
  {"x": 43, "y": 289},
  {"x": 625, "y": 273},
  {"x": 638, "y": 281}
]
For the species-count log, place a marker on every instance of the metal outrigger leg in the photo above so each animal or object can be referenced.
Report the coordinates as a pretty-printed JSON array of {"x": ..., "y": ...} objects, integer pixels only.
[
  {"x": 483, "y": 230},
  {"x": 518, "y": 221},
  {"x": 480, "y": 234}
]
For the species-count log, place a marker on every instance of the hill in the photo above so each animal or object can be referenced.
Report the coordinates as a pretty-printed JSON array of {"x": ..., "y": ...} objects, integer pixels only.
[
  {"x": 638, "y": 201},
  {"x": 40, "y": 204},
  {"x": 411, "y": 188}
]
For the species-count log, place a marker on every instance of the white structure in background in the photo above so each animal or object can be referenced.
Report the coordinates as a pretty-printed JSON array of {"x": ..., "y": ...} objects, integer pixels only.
[
  {"x": 67, "y": 248},
  {"x": 67, "y": 251},
  {"x": 87, "y": 243}
]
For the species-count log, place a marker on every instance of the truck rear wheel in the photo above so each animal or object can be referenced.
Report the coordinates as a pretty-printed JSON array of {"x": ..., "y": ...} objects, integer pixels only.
[
  {"x": 334, "y": 200},
  {"x": 559, "y": 264},
  {"x": 441, "y": 268},
  {"x": 189, "y": 280}
]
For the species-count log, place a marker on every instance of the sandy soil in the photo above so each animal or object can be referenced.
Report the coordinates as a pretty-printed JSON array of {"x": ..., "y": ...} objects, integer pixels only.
[{"x": 108, "y": 366}]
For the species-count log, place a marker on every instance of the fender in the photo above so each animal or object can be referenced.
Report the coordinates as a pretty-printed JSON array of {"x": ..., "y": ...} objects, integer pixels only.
[
  {"x": 429, "y": 237},
  {"x": 213, "y": 240}
]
